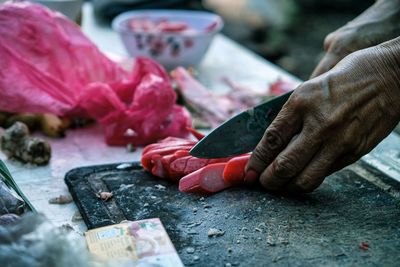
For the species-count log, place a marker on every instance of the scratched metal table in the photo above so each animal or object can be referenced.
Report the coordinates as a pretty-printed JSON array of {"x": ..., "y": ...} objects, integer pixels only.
[{"x": 86, "y": 147}]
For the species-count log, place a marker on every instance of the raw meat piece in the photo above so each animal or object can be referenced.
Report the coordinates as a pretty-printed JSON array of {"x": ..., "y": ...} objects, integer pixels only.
[{"x": 214, "y": 109}]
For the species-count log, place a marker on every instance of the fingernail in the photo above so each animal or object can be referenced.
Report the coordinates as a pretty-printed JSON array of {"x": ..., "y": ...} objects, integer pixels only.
[{"x": 250, "y": 177}]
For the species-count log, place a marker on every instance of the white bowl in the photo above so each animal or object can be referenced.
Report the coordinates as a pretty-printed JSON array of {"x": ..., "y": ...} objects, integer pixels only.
[{"x": 171, "y": 49}]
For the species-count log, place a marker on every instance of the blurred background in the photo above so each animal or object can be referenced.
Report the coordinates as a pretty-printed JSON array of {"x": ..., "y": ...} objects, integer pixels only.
[{"x": 289, "y": 33}]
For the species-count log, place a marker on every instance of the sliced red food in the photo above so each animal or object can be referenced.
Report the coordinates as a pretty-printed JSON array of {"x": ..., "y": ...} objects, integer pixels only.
[
  {"x": 234, "y": 169},
  {"x": 170, "y": 26},
  {"x": 181, "y": 153},
  {"x": 163, "y": 151},
  {"x": 206, "y": 180}
]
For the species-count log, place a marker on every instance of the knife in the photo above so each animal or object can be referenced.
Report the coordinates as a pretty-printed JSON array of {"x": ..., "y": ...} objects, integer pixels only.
[{"x": 241, "y": 133}]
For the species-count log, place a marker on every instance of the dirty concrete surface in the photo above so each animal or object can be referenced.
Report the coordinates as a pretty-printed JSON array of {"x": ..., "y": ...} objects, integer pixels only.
[{"x": 348, "y": 221}]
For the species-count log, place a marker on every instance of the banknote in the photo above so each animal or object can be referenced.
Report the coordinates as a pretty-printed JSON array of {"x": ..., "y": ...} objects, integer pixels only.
[{"x": 145, "y": 243}]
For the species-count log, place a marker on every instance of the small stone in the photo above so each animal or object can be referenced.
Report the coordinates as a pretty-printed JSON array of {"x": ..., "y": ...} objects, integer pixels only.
[
  {"x": 190, "y": 250},
  {"x": 230, "y": 250},
  {"x": 228, "y": 264},
  {"x": 270, "y": 242},
  {"x": 207, "y": 206},
  {"x": 215, "y": 232},
  {"x": 196, "y": 258},
  {"x": 146, "y": 204},
  {"x": 159, "y": 187},
  {"x": 262, "y": 225},
  {"x": 259, "y": 238},
  {"x": 258, "y": 229},
  {"x": 194, "y": 209},
  {"x": 237, "y": 241},
  {"x": 201, "y": 199}
]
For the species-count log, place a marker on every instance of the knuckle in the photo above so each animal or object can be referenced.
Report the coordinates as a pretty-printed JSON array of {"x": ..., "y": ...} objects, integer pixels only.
[
  {"x": 328, "y": 41},
  {"x": 306, "y": 95},
  {"x": 341, "y": 43},
  {"x": 259, "y": 154},
  {"x": 299, "y": 99},
  {"x": 284, "y": 167},
  {"x": 272, "y": 140}
]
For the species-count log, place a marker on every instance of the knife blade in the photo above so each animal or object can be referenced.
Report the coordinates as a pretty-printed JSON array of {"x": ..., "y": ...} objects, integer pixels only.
[{"x": 241, "y": 133}]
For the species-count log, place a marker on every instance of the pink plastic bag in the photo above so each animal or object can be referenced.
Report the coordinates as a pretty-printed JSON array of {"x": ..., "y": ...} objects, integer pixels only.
[
  {"x": 47, "y": 65},
  {"x": 139, "y": 116},
  {"x": 45, "y": 60}
]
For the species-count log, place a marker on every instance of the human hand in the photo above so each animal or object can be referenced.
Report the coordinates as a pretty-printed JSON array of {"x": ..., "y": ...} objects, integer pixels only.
[
  {"x": 330, "y": 121},
  {"x": 379, "y": 23}
]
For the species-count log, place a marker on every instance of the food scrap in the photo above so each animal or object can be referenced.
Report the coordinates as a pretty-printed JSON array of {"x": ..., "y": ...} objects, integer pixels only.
[
  {"x": 104, "y": 195},
  {"x": 61, "y": 199},
  {"x": 213, "y": 232},
  {"x": 364, "y": 246},
  {"x": 17, "y": 143}
]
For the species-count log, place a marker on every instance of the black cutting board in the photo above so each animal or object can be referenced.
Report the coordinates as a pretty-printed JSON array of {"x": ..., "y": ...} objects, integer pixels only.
[{"x": 324, "y": 228}]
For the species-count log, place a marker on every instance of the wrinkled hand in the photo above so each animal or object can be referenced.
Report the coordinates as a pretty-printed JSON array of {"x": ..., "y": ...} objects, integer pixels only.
[
  {"x": 330, "y": 121},
  {"x": 379, "y": 23}
]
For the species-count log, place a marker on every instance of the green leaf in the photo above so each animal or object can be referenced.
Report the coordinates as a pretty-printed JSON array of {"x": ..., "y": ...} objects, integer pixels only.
[{"x": 9, "y": 180}]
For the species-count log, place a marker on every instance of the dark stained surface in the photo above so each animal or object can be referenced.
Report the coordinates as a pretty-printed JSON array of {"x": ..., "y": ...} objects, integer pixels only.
[{"x": 324, "y": 228}]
